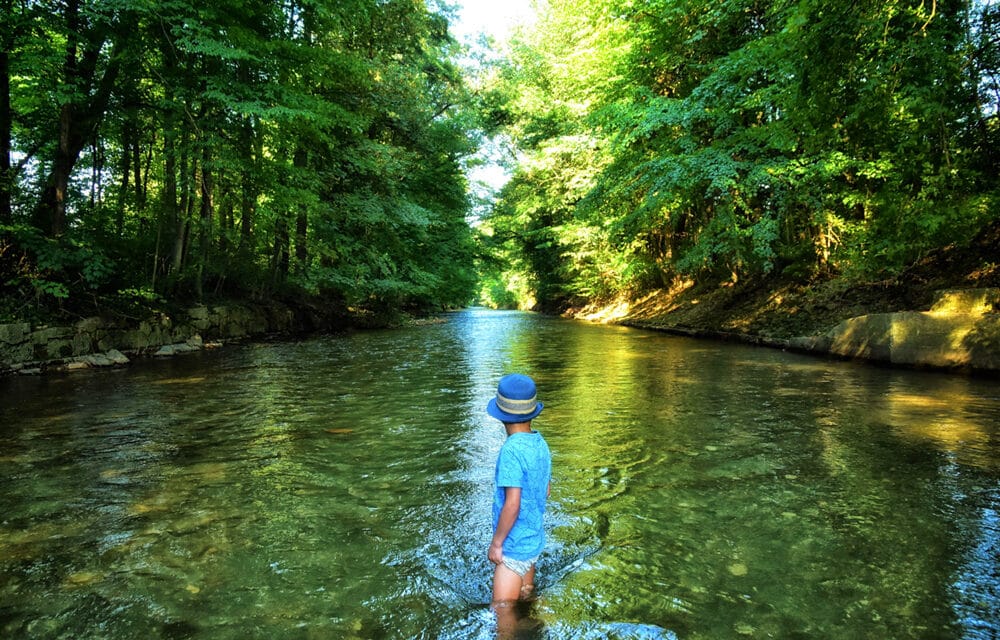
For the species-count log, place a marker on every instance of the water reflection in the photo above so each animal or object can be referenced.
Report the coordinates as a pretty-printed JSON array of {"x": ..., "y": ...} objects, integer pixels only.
[
  {"x": 977, "y": 599},
  {"x": 340, "y": 487}
]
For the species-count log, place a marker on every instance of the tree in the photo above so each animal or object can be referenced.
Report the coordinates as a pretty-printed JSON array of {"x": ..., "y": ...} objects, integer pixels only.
[
  {"x": 196, "y": 150},
  {"x": 7, "y": 43},
  {"x": 88, "y": 78},
  {"x": 739, "y": 139}
]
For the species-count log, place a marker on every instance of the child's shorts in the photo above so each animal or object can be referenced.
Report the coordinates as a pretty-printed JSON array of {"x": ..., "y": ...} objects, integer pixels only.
[{"x": 520, "y": 567}]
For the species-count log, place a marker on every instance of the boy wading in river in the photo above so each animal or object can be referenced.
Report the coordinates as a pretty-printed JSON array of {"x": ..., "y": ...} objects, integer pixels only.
[{"x": 523, "y": 473}]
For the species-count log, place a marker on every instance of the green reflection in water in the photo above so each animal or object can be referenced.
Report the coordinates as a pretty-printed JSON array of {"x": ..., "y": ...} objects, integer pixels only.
[{"x": 340, "y": 487}]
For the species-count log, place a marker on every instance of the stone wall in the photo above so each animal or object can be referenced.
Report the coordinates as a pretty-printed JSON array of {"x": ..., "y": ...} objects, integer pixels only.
[
  {"x": 99, "y": 342},
  {"x": 961, "y": 331}
]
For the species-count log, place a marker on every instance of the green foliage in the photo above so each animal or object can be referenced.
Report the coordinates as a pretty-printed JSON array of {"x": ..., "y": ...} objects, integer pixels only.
[
  {"x": 186, "y": 149},
  {"x": 740, "y": 138},
  {"x": 238, "y": 149},
  {"x": 57, "y": 266}
]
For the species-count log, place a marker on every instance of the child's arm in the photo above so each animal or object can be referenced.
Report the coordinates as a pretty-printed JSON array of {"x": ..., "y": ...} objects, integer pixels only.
[{"x": 508, "y": 516}]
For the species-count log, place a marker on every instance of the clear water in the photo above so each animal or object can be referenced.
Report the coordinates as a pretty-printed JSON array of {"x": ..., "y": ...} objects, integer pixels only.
[{"x": 339, "y": 487}]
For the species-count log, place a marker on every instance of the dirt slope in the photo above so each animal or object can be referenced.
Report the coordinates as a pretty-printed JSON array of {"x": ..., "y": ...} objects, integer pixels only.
[{"x": 779, "y": 310}]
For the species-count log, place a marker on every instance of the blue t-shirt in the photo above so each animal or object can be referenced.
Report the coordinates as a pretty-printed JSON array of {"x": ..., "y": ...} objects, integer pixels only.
[{"x": 524, "y": 461}]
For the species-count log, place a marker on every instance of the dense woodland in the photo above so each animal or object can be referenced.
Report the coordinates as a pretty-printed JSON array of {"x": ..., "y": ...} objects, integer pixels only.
[
  {"x": 176, "y": 150},
  {"x": 156, "y": 152},
  {"x": 736, "y": 140}
]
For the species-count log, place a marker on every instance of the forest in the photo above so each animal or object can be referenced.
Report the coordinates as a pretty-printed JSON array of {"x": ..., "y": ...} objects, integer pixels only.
[
  {"x": 741, "y": 140},
  {"x": 160, "y": 152}
]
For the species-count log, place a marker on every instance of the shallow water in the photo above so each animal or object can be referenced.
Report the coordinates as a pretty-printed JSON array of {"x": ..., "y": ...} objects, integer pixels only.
[{"x": 339, "y": 487}]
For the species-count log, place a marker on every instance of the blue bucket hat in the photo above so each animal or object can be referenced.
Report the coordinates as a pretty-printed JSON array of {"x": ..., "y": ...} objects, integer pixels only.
[{"x": 516, "y": 399}]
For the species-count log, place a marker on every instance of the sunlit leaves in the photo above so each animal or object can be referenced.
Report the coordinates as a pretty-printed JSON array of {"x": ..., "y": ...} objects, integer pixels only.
[{"x": 742, "y": 137}]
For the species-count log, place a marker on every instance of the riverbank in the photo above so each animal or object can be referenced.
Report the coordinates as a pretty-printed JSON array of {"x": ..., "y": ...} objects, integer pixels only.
[
  {"x": 940, "y": 313},
  {"x": 114, "y": 340},
  {"x": 943, "y": 313},
  {"x": 959, "y": 332}
]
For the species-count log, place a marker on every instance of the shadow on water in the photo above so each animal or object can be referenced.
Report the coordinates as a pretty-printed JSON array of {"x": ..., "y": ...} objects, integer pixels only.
[{"x": 340, "y": 488}]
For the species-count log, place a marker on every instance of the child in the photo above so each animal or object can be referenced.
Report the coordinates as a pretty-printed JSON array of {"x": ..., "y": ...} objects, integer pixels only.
[{"x": 523, "y": 473}]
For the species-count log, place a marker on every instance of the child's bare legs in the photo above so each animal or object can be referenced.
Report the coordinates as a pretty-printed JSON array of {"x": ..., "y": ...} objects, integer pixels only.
[
  {"x": 508, "y": 588},
  {"x": 506, "y": 591},
  {"x": 528, "y": 584},
  {"x": 506, "y": 584}
]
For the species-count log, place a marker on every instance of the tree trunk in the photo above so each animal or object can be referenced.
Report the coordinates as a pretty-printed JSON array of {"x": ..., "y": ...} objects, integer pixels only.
[
  {"x": 6, "y": 124},
  {"x": 248, "y": 188},
  {"x": 124, "y": 170},
  {"x": 180, "y": 237},
  {"x": 250, "y": 152},
  {"x": 301, "y": 160},
  {"x": 301, "y": 240},
  {"x": 78, "y": 122},
  {"x": 136, "y": 167},
  {"x": 168, "y": 203},
  {"x": 224, "y": 210},
  {"x": 97, "y": 153},
  {"x": 279, "y": 260},
  {"x": 205, "y": 217}
]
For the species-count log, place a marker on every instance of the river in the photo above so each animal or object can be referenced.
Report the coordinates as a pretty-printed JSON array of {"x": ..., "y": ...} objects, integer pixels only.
[{"x": 339, "y": 487}]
